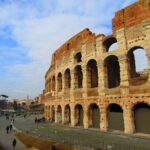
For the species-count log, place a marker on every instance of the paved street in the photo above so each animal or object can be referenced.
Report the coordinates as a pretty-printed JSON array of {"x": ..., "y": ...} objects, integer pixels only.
[
  {"x": 6, "y": 139},
  {"x": 76, "y": 136}
]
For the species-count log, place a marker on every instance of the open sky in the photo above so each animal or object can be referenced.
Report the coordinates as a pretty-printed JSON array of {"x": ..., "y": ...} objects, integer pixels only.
[{"x": 31, "y": 30}]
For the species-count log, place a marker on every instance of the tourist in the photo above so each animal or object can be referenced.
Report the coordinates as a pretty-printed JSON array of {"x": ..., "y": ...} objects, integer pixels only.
[
  {"x": 11, "y": 125},
  {"x": 7, "y": 129},
  {"x": 53, "y": 147},
  {"x": 14, "y": 142}
]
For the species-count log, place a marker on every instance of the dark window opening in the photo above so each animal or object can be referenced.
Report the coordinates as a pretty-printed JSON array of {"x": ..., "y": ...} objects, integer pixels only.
[
  {"x": 92, "y": 74},
  {"x": 78, "y": 77},
  {"x": 78, "y": 57},
  {"x": 113, "y": 71}
]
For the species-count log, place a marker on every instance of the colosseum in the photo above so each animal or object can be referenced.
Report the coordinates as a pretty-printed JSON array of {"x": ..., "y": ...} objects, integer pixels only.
[{"x": 93, "y": 81}]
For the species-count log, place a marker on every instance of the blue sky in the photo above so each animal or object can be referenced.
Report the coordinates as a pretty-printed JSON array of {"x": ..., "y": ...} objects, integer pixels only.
[{"x": 30, "y": 31}]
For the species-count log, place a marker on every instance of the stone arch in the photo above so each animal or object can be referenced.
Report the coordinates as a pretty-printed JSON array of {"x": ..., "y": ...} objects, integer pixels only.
[
  {"x": 67, "y": 79},
  {"x": 110, "y": 44},
  {"x": 115, "y": 117},
  {"x": 78, "y": 75},
  {"x": 112, "y": 69},
  {"x": 53, "y": 113},
  {"x": 78, "y": 57},
  {"x": 53, "y": 83},
  {"x": 78, "y": 115},
  {"x": 92, "y": 73},
  {"x": 142, "y": 117},
  {"x": 94, "y": 115},
  {"x": 67, "y": 114},
  {"x": 59, "y": 81},
  {"x": 138, "y": 70},
  {"x": 59, "y": 114}
]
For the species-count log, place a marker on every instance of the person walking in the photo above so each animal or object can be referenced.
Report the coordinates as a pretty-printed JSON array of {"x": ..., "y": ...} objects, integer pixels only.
[
  {"x": 14, "y": 142},
  {"x": 7, "y": 129},
  {"x": 10, "y": 127}
]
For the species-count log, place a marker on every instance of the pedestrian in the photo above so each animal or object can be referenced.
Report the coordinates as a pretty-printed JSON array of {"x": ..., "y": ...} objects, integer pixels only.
[
  {"x": 7, "y": 129},
  {"x": 53, "y": 147},
  {"x": 35, "y": 120},
  {"x": 14, "y": 142},
  {"x": 10, "y": 127}
]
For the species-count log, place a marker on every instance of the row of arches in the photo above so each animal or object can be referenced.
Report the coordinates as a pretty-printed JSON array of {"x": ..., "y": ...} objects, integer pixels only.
[
  {"x": 111, "y": 71},
  {"x": 115, "y": 116}
]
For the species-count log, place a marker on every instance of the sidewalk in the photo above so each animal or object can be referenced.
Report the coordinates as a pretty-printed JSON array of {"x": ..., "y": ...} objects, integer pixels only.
[{"x": 6, "y": 139}]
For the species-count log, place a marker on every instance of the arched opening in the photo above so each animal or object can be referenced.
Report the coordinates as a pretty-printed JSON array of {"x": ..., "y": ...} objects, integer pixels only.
[
  {"x": 110, "y": 44},
  {"x": 138, "y": 69},
  {"x": 53, "y": 114},
  {"x": 94, "y": 116},
  {"x": 78, "y": 57},
  {"x": 115, "y": 117},
  {"x": 59, "y": 114},
  {"x": 67, "y": 114},
  {"x": 67, "y": 79},
  {"x": 59, "y": 80},
  {"x": 78, "y": 77},
  {"x": 142, "y": 118},
  {"x": 113, "y": 71},
  {"x": 53, "y": 83},
  {"x": 79, "y": 115},
  {"x": 92, "y": 74}
]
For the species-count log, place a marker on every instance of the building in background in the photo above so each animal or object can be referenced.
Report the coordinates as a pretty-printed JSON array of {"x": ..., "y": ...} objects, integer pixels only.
[{"x": 3, "y": 101}]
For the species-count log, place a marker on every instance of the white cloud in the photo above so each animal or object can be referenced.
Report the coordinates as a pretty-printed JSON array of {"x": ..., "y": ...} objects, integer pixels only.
[{"x": 40, "y": 27}]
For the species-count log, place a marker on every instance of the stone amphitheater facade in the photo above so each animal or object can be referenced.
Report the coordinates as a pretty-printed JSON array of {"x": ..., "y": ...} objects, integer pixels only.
[{"x": 91, "y": 86}]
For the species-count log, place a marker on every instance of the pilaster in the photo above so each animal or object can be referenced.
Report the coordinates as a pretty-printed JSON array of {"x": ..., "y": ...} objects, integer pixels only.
[
  {"x": 72, "y": 85},
  {"x": 103, "y": 119},
  {"x": 128, "y": 120},
  {"x": 84, "y": 80},
  {"x": 101, "y": 78},
  {"x": 85, "y": 120},
  {"x": 124, "y": 74},
  {"x": 72, "y": 116}
]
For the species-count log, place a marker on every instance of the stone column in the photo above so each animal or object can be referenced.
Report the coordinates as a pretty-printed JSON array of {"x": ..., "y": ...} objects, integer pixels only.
[
  {"x": 124, "y": 74},
  {"x": 56, "y": 120},
  {"x": 56, "y": 86},
  {"x": 85, "y": 119},
  {"x": 72, "y": 86},
  {"x": 84, "y": 80},
  {"x": 128, "y": 115},
  {"x": 101, "y": 78},
  {"x": 72, "y": 116},
  {"x": 103, "y": 118},
  {"x": 63, "y": 84}
]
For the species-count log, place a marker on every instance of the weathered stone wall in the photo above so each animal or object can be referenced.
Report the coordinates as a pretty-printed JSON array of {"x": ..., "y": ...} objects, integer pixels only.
[{"x": 131, "y": 29}]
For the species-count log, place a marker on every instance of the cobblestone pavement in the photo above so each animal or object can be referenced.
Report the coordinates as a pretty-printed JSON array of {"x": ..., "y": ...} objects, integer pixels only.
[{"x": 82, "y": 137}]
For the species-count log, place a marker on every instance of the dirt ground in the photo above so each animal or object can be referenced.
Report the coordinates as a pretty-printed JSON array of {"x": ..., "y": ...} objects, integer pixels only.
[{"x": 36, "y": 143}]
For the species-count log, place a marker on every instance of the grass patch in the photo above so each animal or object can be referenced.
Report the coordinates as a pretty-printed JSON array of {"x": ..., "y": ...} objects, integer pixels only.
[{"x": 40, "y": 143}]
